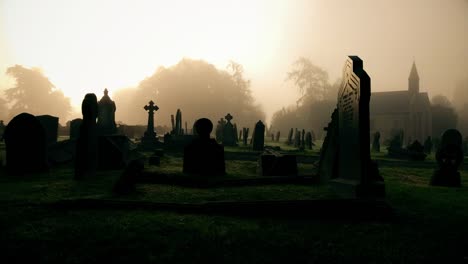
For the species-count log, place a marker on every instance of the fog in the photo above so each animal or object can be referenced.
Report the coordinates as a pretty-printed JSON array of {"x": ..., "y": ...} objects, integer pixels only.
[{"x": 84, "y": 46}]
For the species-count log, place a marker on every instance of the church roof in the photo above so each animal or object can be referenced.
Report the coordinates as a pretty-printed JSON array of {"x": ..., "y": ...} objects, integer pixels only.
[
  {"x": 397, "y": 102},
  {"x": 389, "y": 102}
]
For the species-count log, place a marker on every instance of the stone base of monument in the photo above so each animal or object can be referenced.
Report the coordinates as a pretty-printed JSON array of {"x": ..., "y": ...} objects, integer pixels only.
[
  {"x": 150, "y": 143},
  {"x": 277, "y": 165},
  {"x": 354, "y": 189}
]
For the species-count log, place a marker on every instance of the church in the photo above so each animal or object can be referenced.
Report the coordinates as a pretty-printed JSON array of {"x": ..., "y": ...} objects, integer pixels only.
[{"x": 408, "y": 111}]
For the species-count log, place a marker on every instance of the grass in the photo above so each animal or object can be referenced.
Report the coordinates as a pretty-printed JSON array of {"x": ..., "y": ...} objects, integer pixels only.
[{"x": 430, "y": 224}]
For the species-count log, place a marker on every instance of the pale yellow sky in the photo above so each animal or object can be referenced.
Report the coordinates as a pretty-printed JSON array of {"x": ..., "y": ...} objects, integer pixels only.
[{"x": 84, "y": 46}]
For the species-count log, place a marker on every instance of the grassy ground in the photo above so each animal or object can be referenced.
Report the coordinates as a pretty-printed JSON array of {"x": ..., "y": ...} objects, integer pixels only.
[{"x": 430, "y": 224}]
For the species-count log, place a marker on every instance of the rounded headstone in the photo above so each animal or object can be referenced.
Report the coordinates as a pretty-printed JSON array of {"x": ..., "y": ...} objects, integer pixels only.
[{"x": 25, "y": 142}]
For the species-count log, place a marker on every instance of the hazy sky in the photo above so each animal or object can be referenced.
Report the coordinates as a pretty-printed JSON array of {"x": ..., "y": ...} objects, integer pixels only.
[{"x": 85, "y": 46}]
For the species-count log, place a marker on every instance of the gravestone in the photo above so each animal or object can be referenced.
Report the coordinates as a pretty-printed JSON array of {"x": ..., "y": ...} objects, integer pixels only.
[
  {"x": 50, "y": 125},
  {"x": 376, "y": 142},
  {"x": 328, "y": 162},
  {"x": 302, "y": 146},
  {"x": 236, "y": 138},
  {"x": 149, "y": 139},
  {"x": 245, "y": 135},
  {"x": 25, "y": 143},
  {"x": 75, "y": 128},
  {"x": 259, "y": 136},
  {"x": 240, "y": 136},
  {"x": 86, "y": 160},
  {"x": 449, "y": 157},
  {"x": 126, "y": 183},
  {"x": 272, "y": 135},
  {"x": 273, "y": 163},
  {"x": 278, "y": 134},
  {"x": 356, "y": 175},
  {"x": 395, "y": 148},
  {"x": 290, "y": 137},
  {"x": 308, "y": 140},
  {"x": 177, "y": 127},
  {"x": 204, "y": 156},
  {"x": 106, "y": 115},
  {"x": 219, "y": 129},
  {"x": 297, "y": 139},
  {"x": 229, "y": 135},
  {"x": 428, "y": 145},
  {"x": 2, "y": 129},
  {"x": 416, "y": 151}
]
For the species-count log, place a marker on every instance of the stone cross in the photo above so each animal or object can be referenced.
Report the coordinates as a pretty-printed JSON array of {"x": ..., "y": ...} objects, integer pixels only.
[{"x": 151, "y": 108}]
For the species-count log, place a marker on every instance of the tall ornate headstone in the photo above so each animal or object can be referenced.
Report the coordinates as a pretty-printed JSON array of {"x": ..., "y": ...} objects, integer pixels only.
[
  {"x": 357, "y": 175},
  {"x": 259, "y": 136},
  {"x": 106, "y": 115},
  {"x": 149, "y": 139},
  {"x": 229, "y": 138},
  {"x": 86, "y": 160}
]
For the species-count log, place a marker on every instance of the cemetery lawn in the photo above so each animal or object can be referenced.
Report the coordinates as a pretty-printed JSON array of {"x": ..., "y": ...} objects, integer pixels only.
[{"x": 429, "y": 224}]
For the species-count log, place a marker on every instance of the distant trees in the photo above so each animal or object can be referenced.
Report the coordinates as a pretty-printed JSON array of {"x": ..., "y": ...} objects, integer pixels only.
[
  {"x": 317, "y": 99},
  {"x": 198, "y": 88},
  {"x": 444, "y": 115},
  {"x": 35, "y": 94}
]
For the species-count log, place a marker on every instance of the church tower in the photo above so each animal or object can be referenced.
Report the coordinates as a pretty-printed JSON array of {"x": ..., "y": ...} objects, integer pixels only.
[{"x": 413, "y": 80}]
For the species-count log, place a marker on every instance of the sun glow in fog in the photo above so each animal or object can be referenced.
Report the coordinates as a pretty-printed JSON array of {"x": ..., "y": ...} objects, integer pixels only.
[{"x": 85, "y": 46}]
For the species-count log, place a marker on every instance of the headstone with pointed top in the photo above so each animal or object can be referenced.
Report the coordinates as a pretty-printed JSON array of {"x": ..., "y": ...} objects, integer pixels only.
[
  {"x": 106, "y": 115},
  {"x": 258, "y": 136},
  {"x": 229, "y": 137}
]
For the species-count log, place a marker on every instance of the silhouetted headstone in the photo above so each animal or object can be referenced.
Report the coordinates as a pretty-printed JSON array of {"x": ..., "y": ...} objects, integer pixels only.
[
  {"x": 308, "y": 140},
  {"x": 149, "y": 139},
  {"x": 428, "y": 145},
  {"x": 204, "y": 156},
  {"x": 50, "y": 125},
  {"x": 376, "y": 142},
  {"x": 449, "y": 157},
  {"x": 297, "y": 139},
  {"x": 75, "y": 128},
  {"x": 276, "y": 164},
  {"x": 86, "y": 160},
  {"x": 328, "y": 163},
  {"x": 416, "y": 151},
  {"x": 302, "y": 145},
  {"x": 277, "y": 136},
  {"x": 395, "y": 149},
  {"x": 290, "y": 137},
  {"x": 220, "y": 129},
  {"x": 357, "y": 175},
  {"x": 245, "y": 135},
  {"x": 25, "y": 142},
  {"x": 229, "y": 135},
  {"x": 126, "y": 183},
  {"x": 259, "y": 136},
  {"x": 106, "y": 115}
]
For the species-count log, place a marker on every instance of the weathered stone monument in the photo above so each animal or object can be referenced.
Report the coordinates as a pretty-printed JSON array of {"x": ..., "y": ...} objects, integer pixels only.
[
  {"x": 356, "y": 175},
  {"x": 259, "y": 136},
  {"x": 50, "y": 125},
  {"x": 376, "y": 142},
  {"x": 25, "y": 142},
  {"x": 449, "y": 157},
  {"x": 149, "y": 139},
  {"x": 220, "y": 129},
  {"x": 106, "y": 115},
  {"x": 86, "y": 160},
  {"x": 204, "y": 156},
  {"x": 229, "y": 134}
]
